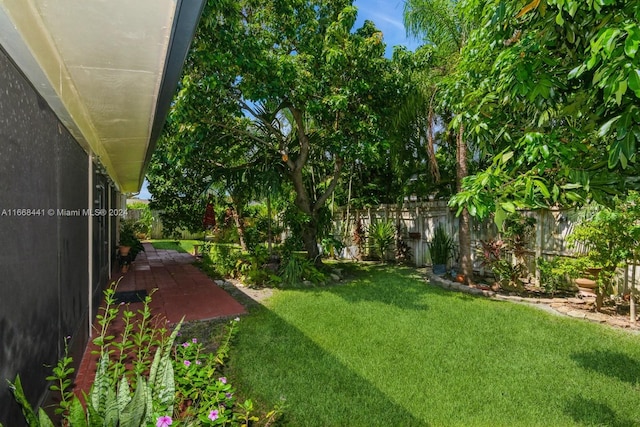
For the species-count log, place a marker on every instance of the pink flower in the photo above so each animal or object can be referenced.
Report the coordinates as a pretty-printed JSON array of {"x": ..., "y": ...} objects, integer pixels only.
[
  {"x": 194, "y": 340},
  {"x": 185, "y": 344},
  {"x": 223, "y": 380},
  {"x": 164, "y": 421},
  {"x": 213, "y": 415},
  {"x": 187, "y": 363},
  {"x": 198, "y": 362}
]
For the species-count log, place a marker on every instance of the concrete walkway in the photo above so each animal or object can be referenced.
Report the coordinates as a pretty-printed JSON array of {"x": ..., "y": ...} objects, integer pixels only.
[{"x": 181, "y": 289}]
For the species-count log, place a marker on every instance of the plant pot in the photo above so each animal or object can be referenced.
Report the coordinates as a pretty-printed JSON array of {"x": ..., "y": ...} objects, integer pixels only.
[
  {"x": 588, "y": 284},
  {"x": 439, "y": 269},
  {"x": 124, "y": 250}
]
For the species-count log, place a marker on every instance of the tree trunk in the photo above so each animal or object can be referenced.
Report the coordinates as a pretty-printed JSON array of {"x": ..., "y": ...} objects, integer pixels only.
[
  {"x": 464, "y": 232},
  {"x": 309, "y": 228},
  {"x": 309, "y": 237},
  {"x": 269, "y": 236},
  {"x": 303, "y": 199},
  {"x": 237, "y": 218}
]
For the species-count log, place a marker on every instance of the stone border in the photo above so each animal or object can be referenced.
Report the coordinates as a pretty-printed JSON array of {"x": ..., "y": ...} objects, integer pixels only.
[{"x": 554, "y": 305}]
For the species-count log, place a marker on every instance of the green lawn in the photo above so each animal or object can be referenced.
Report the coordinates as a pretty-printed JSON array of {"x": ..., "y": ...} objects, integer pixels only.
[
  {"x": 387, "y": 349},
  {"x": 185, "y": 246}
]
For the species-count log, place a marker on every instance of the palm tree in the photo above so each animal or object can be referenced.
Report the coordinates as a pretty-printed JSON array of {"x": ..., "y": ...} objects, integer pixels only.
[{"x": 442, "y": 25}]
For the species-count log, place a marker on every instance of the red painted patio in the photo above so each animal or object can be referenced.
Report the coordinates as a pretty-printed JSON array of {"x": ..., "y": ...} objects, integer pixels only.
[{"x": 181, "y": 289}]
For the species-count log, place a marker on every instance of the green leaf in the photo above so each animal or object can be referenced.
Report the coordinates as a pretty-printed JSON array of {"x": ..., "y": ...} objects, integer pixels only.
[
  {"x": 604, "y": 129},
  {"x": 634, "y": 81},
  {"x": 123, "y": 396},
  {"x": 633, "y": 41},
  {"x": 44, "y": 419},
  {"x": 608, "y": 39},
  {"x": 555, "y": 192},
  {"x": 545, "y": 151},
  {"x": 132, "y": 415},
  {"x": 577, "y": 72},
  {"x": 621, "y": 90},
  {"x": 614, "y": 155},
  {"x": 77, "y": 416},
  {"x": 506, "y": 156},
  {"x": 95, "y": 419},
  {"x": 542, "y": 187},
  {"x": 111, "y": 408},
  {"x": 499, "y": 217},
  {"x": 472, "y": 209},
  {"x": 508, "y": 206},
  {"x": 571, "y": 186},
  {"x": 27, "y": 410}
]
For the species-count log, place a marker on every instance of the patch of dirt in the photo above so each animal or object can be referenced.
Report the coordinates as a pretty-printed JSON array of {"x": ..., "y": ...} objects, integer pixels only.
[{"x": 248, "y": 297}]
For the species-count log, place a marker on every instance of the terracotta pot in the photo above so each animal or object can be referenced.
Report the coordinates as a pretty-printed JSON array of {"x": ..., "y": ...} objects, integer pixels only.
[
  {"x": 583, "y": 282},
  {"x": 124, "y": 250}
]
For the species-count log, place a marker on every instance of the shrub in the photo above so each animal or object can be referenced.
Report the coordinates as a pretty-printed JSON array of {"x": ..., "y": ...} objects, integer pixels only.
[
  {"x": 173, "y": 385},
  {"x": 125, "y": 395},
  {"x": 204, "y": 396},
  {"x": 225, "y": 259},
  {"x": 382, "y": 234},
  {"x": 297, "y": 269},
  {"x": 144, "y": 223},
  {"x": 331, "y": 246},
  {"x": 441, "y": 247},
  {"x": 555, "y": 274}
]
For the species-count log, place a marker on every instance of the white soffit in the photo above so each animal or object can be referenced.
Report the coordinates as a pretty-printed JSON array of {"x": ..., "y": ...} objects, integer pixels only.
[{"x": 99, "y": 64}]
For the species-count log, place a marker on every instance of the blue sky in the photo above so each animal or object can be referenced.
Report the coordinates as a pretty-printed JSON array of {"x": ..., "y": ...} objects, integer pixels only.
[{"x": 387, "y": 15}]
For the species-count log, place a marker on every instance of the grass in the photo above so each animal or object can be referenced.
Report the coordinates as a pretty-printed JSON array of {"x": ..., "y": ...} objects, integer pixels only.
[
  {"x": 387, "y": 349},
  {"x": 185, "y": 246}
]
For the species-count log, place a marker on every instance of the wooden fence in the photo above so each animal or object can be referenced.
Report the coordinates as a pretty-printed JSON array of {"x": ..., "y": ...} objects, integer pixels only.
[{"x": 418, "y": 220}]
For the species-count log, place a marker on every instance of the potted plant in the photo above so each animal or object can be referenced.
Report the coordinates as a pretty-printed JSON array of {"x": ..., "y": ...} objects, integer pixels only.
[
  {"x": 441, "y": 250},
  {"x": 129, "y": 244},
  {"x": 608, "y": 239}
]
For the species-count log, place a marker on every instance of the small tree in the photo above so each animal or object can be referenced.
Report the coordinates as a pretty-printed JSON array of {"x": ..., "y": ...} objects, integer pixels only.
[
  {"x": 608, "y": 238},
  {"x": 382, "y": 233}
]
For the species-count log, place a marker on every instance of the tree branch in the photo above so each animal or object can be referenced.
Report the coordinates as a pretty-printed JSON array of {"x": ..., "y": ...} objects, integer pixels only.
[
  {"x": 332, "y": 185},
  {"x": 302, "y": 138}
]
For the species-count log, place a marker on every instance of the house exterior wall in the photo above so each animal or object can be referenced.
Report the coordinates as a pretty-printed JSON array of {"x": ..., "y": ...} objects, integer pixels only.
[{"x": 44, "y": 266}]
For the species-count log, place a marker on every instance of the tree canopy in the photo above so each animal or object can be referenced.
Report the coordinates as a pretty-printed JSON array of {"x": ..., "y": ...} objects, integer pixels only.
[
  {"x": 550, "y": 90},
  {"x": 288, "y": 84}
]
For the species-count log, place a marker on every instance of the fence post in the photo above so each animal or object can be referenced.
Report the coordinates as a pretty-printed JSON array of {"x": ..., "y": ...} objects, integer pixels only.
[{"x": 539, "y": 241}]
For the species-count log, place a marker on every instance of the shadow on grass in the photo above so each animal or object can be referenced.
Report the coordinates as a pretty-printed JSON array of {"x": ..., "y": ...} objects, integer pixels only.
[
  {"x": 590, "y": 412},
  {"x": 272, "y": 361},
  {"x": 609, "y": 363},
  {"x": 401, "y": 287}
]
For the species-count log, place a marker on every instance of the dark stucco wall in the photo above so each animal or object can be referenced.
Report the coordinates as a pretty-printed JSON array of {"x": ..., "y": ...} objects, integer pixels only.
[{"x": 43, "y": 261}]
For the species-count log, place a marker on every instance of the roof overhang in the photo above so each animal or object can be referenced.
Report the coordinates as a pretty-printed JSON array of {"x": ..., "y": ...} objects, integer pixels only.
[{"x": 108, "y": 69}]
